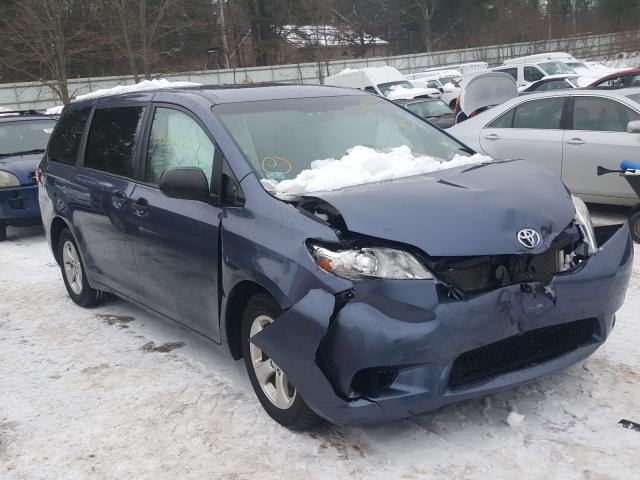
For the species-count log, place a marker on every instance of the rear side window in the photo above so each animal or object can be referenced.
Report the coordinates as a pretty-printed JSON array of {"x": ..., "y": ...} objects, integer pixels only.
[
  {"x": 503, "y": 121},
  {"x": 112, "y": 140},
  {"x": 511, "y": 71},
  {"x": 65, "y": 141},
  {"x": 544, "y": 114}
]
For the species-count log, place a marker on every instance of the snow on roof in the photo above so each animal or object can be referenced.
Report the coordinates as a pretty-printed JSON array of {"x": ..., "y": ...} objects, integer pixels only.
[
  {"x": 325, "y": 36},
  {"x": 120, "y": 89}
]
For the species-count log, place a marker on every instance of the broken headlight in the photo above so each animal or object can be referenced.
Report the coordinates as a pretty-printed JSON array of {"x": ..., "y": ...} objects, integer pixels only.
[
  {"x": 583, "y": 219},
  {"x": 8, "y": 180},
  {"x": 371, "y": 262}
]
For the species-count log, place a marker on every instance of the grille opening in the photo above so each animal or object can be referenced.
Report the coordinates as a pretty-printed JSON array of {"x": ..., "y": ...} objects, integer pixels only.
[
  {"x": 521, "y": 351},
  {"x": 474, "y": 275},
  {"x": 371, "y": 381}
]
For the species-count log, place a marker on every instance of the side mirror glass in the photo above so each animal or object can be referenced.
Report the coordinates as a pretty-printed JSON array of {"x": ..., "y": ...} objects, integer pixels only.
[
  {"x": 633, "y": 127},
  {"x": 185, "y": 183}
]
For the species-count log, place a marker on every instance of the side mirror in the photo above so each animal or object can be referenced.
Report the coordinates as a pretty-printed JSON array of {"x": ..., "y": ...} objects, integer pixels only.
[
  {"x": 185, "y": 183},
  {"x": 633, "y": 127},
  {"x": 441, "y": 89}
]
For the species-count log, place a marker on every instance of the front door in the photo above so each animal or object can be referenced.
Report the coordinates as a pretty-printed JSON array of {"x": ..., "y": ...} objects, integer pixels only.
[
  {"x": 598, "y": 137},
  {"x": 101, "y": 198},
  {"x": 530, "y": 131},
  {"x": 176, "y": 241}
]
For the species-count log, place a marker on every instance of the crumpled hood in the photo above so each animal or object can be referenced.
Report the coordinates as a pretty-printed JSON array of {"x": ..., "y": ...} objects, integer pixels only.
[
  {"x": 465, "y": 211},
  {"x": 22, "y": 166}
]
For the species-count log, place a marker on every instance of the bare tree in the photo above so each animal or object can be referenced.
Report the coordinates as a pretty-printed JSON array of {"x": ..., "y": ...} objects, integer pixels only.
[
  {"x": 41, "y": 38},
  {"x": 138, "y": 29}
]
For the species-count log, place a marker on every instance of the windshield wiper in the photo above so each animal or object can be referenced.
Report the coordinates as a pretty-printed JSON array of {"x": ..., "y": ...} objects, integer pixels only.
[{"x": 25, "y": 152}]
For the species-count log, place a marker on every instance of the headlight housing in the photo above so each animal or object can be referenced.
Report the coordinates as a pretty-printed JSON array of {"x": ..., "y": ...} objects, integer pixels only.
[
  {"x": 583, "y": 219},
  {"x": 369, "y": 262},
  {"x": 8, "y": 180}
]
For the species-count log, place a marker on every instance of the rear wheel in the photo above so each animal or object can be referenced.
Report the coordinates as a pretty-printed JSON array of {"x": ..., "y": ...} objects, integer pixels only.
[
  {"x": 634, "y": 224},
  {"x": 278, "y": 397},
  {"x": 73, "y": 273}
]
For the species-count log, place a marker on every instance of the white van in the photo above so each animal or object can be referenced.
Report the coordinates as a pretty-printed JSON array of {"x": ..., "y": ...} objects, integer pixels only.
[
  {"x": 385, "y": 81},
  {"x": 531, "y": 71},
  {"x": 447, "y": 82}
]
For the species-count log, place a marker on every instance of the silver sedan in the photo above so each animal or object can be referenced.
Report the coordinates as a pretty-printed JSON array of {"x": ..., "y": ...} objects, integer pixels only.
[{"x": 571, "y": 132}]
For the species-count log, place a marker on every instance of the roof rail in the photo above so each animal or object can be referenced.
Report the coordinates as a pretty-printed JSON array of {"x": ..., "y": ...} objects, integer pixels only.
[{"x": 21, "y": 113}]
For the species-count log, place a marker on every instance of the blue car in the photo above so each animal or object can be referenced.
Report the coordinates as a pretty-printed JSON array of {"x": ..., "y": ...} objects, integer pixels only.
[
  {"x": 350, "y": 302},
  {"x": 23, "y": 139}
]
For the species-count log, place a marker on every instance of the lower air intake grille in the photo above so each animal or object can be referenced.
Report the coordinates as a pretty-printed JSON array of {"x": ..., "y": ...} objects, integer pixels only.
[{"x": 521, "y": 351}]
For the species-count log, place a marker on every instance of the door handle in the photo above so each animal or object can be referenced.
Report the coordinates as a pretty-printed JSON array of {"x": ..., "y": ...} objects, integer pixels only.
[
  {"x": 493, "y": 136},
  {"x": 119, "y": 199},
  {"x": 140, "y": 208},
  {"x": 575, "y": 141}
]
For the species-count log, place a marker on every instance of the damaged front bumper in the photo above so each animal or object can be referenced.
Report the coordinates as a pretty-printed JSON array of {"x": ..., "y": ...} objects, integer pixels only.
[{"x": 390, "y": 349}]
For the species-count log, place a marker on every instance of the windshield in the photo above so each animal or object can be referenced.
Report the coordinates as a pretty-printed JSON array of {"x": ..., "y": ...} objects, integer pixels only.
[
  {"x": 24, "y": 136},
  {"x": 555, "y": 68},
  {"x": 455, "y": 81},
  {"x": 430, "y": 108},
  {"x": 573, "y": 82},
  {"x": 387, "y": 88},
  {"x": 280, "y": 138}
]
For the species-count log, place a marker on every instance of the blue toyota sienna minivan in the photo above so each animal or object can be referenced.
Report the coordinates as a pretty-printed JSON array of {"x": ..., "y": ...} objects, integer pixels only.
[{"x": 358, "y": 304}]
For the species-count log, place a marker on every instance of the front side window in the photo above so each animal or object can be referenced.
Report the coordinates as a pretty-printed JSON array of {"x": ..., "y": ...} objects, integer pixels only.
[
  {"x": 532, "y": 74},
  {"x": 280, "y": 138},
  {"x": 112, "y": 140},
  {"x": 544, "y": 114},
  {"x": 66, "y": 138},
  {"x": 25, "y": 136},
  {"x": 176, "y": 140},
  {"x": 601, "y": 114},
  {"x": 616, "y": 82}
]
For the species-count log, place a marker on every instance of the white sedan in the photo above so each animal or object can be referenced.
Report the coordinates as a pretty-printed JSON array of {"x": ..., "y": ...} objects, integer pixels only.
[{"x": 571, "y": 132}]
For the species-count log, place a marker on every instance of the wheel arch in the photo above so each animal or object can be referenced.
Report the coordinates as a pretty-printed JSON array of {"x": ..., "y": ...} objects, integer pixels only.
[
  {"x": 233, "y": 309},
  {"x": 57, "y": 226}
]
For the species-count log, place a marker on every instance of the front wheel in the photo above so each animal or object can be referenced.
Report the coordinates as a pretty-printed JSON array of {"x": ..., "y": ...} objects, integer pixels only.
[
  {"x": 278, "y": 397},
  {"x": 634, "y": 225},
  {"x": 73, "y": 272}
]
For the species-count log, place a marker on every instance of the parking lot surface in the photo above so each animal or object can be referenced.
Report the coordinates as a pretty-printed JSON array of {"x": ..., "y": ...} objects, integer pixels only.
[{"x": 114, "y": 392}]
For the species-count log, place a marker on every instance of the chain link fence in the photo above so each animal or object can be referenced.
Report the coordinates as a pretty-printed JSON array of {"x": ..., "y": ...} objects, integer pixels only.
[{"x": 38, "y": 96}]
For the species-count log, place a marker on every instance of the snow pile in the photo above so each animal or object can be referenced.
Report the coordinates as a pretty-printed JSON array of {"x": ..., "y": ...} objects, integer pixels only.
[
  {"x": 364, "y": 165},
  {"x": 120, "y": 89},
  {"x": 346, "y": 70},
  {"x": 4, "y": 109},
  {"x": 514, "y": 419}
]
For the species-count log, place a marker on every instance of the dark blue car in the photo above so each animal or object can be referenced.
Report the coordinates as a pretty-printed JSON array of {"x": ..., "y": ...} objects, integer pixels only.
[
  {"x": 359, "y": 304},
  {"x": 23, "y": 138}
]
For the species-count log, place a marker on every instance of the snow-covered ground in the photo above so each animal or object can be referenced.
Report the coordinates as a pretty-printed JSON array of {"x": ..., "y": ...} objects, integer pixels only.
[{"x": 90, "y": 394}]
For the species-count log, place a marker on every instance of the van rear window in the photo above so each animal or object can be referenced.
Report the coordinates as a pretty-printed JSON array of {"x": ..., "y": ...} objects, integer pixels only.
[
  {"x": 112, "y": 140},
  {"x": 65, "y": 141}
]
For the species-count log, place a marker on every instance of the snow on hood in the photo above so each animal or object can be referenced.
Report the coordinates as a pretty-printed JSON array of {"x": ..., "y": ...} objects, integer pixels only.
[
  {"x": 401, "y": 93},
  {"x": 364, "y": 165},
  {"x": 120, "y": 89}
]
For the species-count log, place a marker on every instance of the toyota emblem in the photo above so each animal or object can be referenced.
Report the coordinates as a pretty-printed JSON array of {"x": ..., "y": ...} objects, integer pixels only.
[{"x": 529, "y": 238}]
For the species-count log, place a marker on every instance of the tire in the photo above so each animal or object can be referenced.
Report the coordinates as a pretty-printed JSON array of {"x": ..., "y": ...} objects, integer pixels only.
[
  {"x": 289, "y": 410},
  {"x": 3, "y": 232},
  {"x": 634, "y": 225},
  {"x": 73, "y": 273}
]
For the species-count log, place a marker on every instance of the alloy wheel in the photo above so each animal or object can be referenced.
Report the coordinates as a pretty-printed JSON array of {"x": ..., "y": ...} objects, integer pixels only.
[
  {"x": 272, "y": 380},
  {"x": 72, "y": 267}
]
